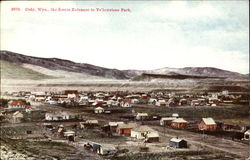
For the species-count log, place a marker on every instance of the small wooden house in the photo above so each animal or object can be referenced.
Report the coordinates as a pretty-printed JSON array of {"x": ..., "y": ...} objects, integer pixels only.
[
  {"x": 70, "y": 135},
  {"x": 125, "y": 129},
  {"x": 207, "y": 124},
  {"x": 89, "y": 124},
  {"x": 178, "y": 143},
  {"x": 126, "y": 103},
  {"x": 141, "y": 116},
  {"x": 145, "y": 132},
  {"x": 57, "y": 116},
  {"x": 17, "y": 117},
  {"x": 166, "y": 121},
  {"x": 16, "y": 105},
  {"x": 114, "y": 125},
  {"x": 161, "y": 102},
  {"x": 176, "y": 115},
  {"x": 99, "y": 110},
  {"x": 247, "y": 135},
  {"x": 152, "y": 101},
  {"x": 179, "y": 123}
]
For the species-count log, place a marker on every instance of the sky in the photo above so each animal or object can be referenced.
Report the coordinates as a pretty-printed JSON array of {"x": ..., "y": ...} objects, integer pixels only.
[{"x": 153, "y": 34}]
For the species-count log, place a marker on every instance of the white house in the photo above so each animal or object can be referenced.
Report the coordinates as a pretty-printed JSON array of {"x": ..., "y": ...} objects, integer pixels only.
[
  {"x": 53, "y": 102},
  {"x": 56, "y": 116},
  {"x": 99, "y": 110},
  {"x": 176, "y": 115},
  {"x": 141, "y": 116},
  {"x": 145, "y": 132},
  {"x": 161, "y": 102},
  {"x": 115, "y": 124},
  {"x": 152, "y": 101},
  {"x": 16, "y": 105},
  {"x": 71, "y": 95},
  {"x": 135, "y": 101},
  {"x": 89, "y": 124},
  {"x": 166, "y": 120},
  {"x": 112, "y": 103},
  {"x": 126, "y": 103},
  {"x": 17, "y": 117},
  {"x": 247, "y": 135}
]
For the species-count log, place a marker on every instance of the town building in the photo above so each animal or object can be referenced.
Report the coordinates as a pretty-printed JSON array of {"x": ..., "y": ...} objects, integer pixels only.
[{"x": 207, "y": 124}]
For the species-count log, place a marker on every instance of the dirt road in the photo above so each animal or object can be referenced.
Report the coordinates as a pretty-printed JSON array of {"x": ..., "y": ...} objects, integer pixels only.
[{"x": 232, "y": 147}]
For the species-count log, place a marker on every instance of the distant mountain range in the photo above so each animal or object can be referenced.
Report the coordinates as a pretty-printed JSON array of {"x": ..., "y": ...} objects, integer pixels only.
[{"x": 14, "y": 65}]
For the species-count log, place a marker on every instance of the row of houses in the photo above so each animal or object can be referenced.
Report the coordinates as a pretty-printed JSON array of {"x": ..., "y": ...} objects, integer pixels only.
[
  {"x": 125, "y": 99},
  {"x": 181, "y": 123}
]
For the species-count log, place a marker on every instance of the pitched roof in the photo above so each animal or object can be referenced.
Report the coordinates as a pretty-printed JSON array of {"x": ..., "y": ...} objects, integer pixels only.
[
  {"x": 16, "y": 113},
  {"x": 175, "y": 115},
  {"x": 143, "y": 129},
  {"x": 176, "y": 139},
  {"x": 99, "y": 108},
  {"x": 247, "y": 132},
  {"x": 142, "y": 114},
  {"x": 168, "y": 118},
  {"x": 127, "y": 125},
  {"x": 162, "y": 101},
  {"x": 92, "y": 121},
  {"x": 115, "y": 123},
  {"x": 58, "y": 114},
  {"x": 179, "y": 120},
  {"x": 14, "y": 103},
  {"x": 208, "y": 121}
]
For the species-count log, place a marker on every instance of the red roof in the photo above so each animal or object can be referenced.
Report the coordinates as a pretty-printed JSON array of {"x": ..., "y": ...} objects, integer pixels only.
[
  {"x": 127, "y": 101},
  {"x": 70, "y": 92},
  {"x": 14, "y": 103}
]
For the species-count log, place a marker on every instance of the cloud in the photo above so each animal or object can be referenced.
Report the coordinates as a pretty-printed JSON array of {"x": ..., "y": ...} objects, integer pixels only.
[{"x": 155, "y": 34}]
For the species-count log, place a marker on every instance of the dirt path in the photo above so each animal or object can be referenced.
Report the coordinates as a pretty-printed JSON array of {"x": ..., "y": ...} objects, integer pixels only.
[{"x": 232, "y": 147}]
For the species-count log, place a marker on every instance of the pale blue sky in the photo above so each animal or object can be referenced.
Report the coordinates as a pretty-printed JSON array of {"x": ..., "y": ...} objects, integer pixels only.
[{"x": 154, "y": 35}]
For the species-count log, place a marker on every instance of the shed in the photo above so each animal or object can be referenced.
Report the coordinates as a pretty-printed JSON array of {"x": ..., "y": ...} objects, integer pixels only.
[
  {"x": 70, "y": 135},
  {"x": 92, "y": 146},
  {"x": 178, "y": 143},
  {"x": 106, "y": 149}
]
